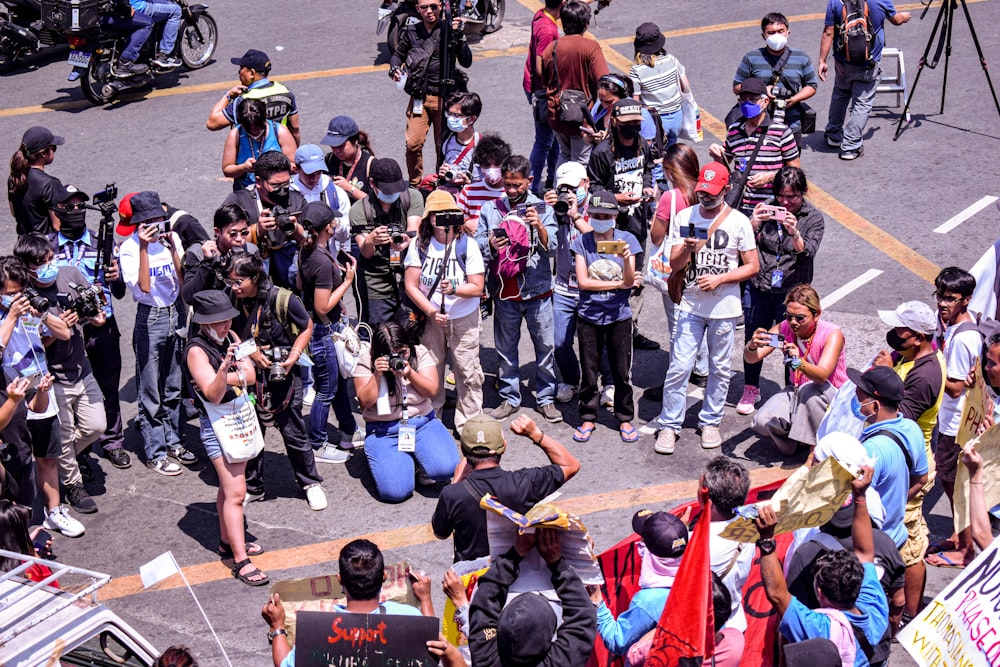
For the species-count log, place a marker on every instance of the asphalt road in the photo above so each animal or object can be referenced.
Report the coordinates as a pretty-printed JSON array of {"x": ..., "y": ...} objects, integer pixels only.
[{"x": 880, "y": 249}]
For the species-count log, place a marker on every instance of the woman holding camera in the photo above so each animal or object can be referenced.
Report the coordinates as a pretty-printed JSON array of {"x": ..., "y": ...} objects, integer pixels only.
[
  {"x": 215, "y": 376},
  {"x": 605, "y": 272},
  {"x": 813, "y": 351},
  {"x": 788, "y": 234},
  {"x": 444, "y": 281},
  {"x": 278, "y": 322},
  {"x": 395, "y": 383}
]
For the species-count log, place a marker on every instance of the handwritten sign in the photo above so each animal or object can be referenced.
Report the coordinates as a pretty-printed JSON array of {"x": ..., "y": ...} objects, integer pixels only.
[
  {"x": 961, "y": 626},
  {"x": 328, "y": 639},
  {"x": 988, "y": 446},
  {"x": 808, "y": 498},
  {"x": 978, "y": 406}
]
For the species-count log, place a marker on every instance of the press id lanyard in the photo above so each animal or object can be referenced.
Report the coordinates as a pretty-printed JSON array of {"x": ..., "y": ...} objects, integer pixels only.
[
  {"x": 777, "y": 276},
  {"x": 407, "y": 433}
]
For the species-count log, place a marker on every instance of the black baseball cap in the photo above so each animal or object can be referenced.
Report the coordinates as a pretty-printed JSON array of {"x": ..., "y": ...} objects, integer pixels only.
[
  {"x": 664, "y": 534},
  {"x": 317, "y": 215},
  {"x": 754, "y": 86},
  {"x": 879, "y": 382},
  {"x": 387, "y": 175},
  {"x": 255, "y": 60},
  {"x": 39, "y": 138},
  {"x": 67, "y": 191}
]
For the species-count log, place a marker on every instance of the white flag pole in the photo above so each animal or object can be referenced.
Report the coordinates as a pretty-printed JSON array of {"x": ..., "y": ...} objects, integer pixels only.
[{"x": 203, "y": 614}]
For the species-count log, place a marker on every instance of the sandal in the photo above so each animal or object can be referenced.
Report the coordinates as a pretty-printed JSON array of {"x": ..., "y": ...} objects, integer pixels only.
[
  {"x": 628, "y": 432},
  {"x": 226, "y": 551},
  {"x": 245, "y": 578},
  {"x": 583, "y": 433}
]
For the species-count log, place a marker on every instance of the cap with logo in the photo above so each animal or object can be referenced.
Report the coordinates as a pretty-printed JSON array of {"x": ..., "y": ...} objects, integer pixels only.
[
  {"x": 38, "y": 138},
  {"x": 310, "y": 158},
  {"x": 483, "y": 435},
  {"x": 664, "y": 534},
  {"x": 603, "y": 201},
  {"x": 339, "y": 131},
  {"x": 627, "y": 110},
  {"x": 255, "y": 60},
  {"x": 879, "y": 382},
  {"x": 713, "y": 178},
  {"x": 914, "y": 315},
  {"x": 571, "y": 174},
  {"x": 68, "y": 191},
  {"x": 387, "y": 175}
]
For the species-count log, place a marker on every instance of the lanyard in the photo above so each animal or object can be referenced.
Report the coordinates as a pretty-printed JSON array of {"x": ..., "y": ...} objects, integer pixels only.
[
  {"x": 797, "y": 375},
  {"x": 404, "y": 418},
  {"x": 350, "y": 173}
]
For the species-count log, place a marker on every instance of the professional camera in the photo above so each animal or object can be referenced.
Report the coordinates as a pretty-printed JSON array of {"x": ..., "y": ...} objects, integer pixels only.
[
  {"x": 277, "y": 355},
  {"x": 283, "y": 219},
  {"x": 397, "y": 234},
  {"x": 567, "y": 196},
  {"x": 397, "y": 362},
  {"x": 89, "y": 301},
  {"x": 449, "y": 219},
  {"x": 36, "y": 300}
]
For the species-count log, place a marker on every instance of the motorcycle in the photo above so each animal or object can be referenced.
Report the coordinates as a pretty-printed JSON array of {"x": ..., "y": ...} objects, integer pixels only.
[
  {"x": 94, "y": 47},
  {"x": 22, "y": 32},
  {"x": 396, "y": 15}
]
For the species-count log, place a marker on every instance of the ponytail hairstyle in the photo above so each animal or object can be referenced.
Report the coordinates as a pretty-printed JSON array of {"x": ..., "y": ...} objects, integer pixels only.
[{"x": 20, "y": 163}]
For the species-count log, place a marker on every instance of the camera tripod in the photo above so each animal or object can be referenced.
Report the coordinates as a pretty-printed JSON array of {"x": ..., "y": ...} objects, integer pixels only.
[{"x": 945, "y": 23}]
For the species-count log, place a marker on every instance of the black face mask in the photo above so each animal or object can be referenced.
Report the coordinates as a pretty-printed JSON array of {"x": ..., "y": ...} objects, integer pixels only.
[
  {"x": 518, "y": 198},
  {"x": 628, "y": 131},
  {"x": 279, "y": 196},
  {"x": 895, "y": 341},
  {"x": 73, "y": 224}
]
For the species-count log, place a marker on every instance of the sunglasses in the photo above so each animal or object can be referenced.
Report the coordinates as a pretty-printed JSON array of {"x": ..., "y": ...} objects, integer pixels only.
[
  {"x": 234, "y": 235},
  {"x": 73, "y": 207},
  {"x": 798, "y": 318},
  {"x": 428, "y": 8},
  {"x": 941, "y": 298}
]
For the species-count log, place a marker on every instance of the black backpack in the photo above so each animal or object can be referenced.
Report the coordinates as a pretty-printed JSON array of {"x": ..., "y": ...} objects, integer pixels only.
[{"x": 856, "y": 37}]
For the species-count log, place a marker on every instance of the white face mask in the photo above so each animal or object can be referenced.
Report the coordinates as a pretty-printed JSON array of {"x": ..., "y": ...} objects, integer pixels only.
[
  {"x": 211, "y": 333},
  {"x": 776, "y": 42}
]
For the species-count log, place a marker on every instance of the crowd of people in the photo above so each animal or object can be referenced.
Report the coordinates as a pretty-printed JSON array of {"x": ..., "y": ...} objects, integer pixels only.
[{"x": 253, "y": 314}]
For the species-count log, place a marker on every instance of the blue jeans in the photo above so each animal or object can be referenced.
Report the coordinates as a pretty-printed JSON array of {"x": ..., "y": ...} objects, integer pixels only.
[
  {"x": 158, "y": 378},
  {"x": 141, "y": 26},
  {"x": 853, "y": 93},
  {"x": 393, "y": 470},
  {"x": 701, "y": 359},
  {"x": 761, "y": 310},
  {"x": 671, "y": 122},
  {"x": 330, "y": 387},
  {"x": 507, "y": 316},
  {"x": 544, "y": 152},
  {"x": 171, "y": 13},
  {"x": 691, "y": 330}
]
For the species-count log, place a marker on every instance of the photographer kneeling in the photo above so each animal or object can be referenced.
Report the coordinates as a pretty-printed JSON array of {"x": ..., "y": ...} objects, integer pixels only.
[
  {"x": 395, "y": 399},
  {"x": 277, "y": 321}
]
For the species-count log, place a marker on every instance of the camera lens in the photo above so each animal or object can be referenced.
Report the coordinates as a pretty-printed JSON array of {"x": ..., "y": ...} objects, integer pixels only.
[{"x": 398, "y": 238}]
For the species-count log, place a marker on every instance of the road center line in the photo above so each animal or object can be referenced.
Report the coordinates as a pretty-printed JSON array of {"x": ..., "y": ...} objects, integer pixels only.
[
  {"x": 842, "y": 291},
  {"x": 965, "y": 215},
  {"x": 409, "y": 536}
]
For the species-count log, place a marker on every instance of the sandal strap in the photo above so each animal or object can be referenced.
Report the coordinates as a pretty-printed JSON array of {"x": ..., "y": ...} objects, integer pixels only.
[{"x": 240, "y": 565}]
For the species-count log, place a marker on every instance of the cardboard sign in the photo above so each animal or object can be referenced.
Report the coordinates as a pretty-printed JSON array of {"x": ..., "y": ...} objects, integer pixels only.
[
  {"x": 988, "y": 446},
  {"x": 961, "y": 626},
  {"x": 375, "y": 640},
  {"x": 978, "y": 406}
]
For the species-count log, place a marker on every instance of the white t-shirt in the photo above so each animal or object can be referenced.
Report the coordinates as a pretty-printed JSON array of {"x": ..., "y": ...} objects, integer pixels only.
[
  {"x": 455, "y": 306},
  {"x": 960, "y": 352},
  {"x": 722, "y": 552},
  {"x": 164, "y": 283},
  {"x": 721, "y": 254},
  {"x": 342, "y": 236}
]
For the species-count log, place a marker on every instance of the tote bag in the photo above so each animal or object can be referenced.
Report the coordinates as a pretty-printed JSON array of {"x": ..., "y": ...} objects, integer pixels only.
[
  {"x": 658, "y": 267},
  {"x": 235, "y": 425},
  {"x": 690, "y": 118}
]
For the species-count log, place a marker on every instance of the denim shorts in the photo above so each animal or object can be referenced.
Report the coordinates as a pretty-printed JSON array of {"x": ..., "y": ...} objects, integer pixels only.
[{"x": 213, "y": 448}]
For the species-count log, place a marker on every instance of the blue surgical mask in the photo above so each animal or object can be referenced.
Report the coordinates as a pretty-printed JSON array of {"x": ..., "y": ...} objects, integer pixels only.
[
  {"x": 602, "y": 226},
  {"x": 456, "y": 125},
  {"x": 47, "y": 273},
  {"x": 856, "y": 406},
  {"x": 387, "y": 198},
  {"x": 581, "y": 195},
  {"x": 750, "y": 109},
  {"x": 6, "y": 300}
]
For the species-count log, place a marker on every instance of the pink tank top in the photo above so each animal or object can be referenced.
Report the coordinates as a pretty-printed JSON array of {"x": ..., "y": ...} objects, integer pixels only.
[{"x": 813, "y": 352}]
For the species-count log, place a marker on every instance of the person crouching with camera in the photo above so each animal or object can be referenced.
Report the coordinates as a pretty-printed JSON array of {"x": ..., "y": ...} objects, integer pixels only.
[
  {"x": 444, "y": 281},
  {"x": 395, "y": 381},
  {"x": 278, "y": 323}
]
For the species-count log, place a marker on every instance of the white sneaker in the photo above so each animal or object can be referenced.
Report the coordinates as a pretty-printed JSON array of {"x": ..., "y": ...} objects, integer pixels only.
[
  {"x": 354, "y": 440},
  {"x": 710, "y": 437},
  {"x": 608, "y": 396},
  {"x": 58, "y": 519},
  {"x": 332, "y": 454},
  {"x": 565, "y": 393},
  {"x": 307, "y": 398},
  {"x": 315, "y": 497},
  {"x": 666, "y": 439}
]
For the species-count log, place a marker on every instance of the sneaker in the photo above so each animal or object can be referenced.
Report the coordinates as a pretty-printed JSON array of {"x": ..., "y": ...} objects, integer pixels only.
[
  {"x": 710, "y": 437},
  {"x": 550, "y": 413},
  {"x": 748, "y": 401},
  {"x": 565, "y": 393},
  {"x": 80, "y": 500},
  {"x": 698, "y": 380},
  {"x": 640, "y": 342},
  {"x": 165, "y": 466},
  {"x": 666, "y": 439},
  {"x": 127, "y": 68},
  {"x": 315, "y": 497},
  {"x": 252, "y": 496},
  {"x": 332, "y": 454},
  {"x": 183, "y": 455},
  {"x": 307, "y": 398},
  {"x": 86, "y": 472},
  {"x": 166, "y": 61},
  {"x": 354, "y": 440},
  {"x": 830, "y": 141},
  {"x": 473, "y": 16},
  {"x": 119, "y": 458},
  {"x": 59, "y": 520},
  {"x": 852, "y": 155},
  {"x": 608, "y": 396},
  {"x": 503, "y": 411}
]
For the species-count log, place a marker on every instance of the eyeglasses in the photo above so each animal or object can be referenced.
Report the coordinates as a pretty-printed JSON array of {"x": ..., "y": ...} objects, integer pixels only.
[
  {"x": 798, "y": 318},
  {"x": 275, "y": 186},
  {"x": 428, "y": 8},
  {"x": 233, "y": 282},
  {"x": 234, "y": 235},
  {"x": 941, "y": 298}
]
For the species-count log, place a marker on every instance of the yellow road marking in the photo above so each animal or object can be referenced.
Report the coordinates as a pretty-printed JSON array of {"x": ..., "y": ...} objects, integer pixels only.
[{"x": 409, "y": 536}]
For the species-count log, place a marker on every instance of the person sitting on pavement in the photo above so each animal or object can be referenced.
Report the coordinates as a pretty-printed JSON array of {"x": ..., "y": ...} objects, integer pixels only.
[
  {"x": 524, "y": 630},
  {"x": 253, "y": 135},
  {"x": 458, "y": 513},
  {"x": 255, "y": 67},
  {"x": 813, "y": 351}
]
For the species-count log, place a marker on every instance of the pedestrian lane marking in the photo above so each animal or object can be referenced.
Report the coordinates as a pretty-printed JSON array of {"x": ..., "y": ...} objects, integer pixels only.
[
  {"x": 842, "y": 291},
  {"x": 956, "y": 220}
]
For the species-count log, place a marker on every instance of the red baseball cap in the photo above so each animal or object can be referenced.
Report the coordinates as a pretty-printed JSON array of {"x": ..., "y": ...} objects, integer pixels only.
[{"x": 713, "y": 178}]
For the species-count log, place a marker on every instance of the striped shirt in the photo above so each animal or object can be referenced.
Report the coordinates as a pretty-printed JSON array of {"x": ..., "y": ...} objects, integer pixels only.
[
  {"x": 659, "y": 87},
  {"x": 778, "y": 149},
  {"x": 473, "y": 196}
]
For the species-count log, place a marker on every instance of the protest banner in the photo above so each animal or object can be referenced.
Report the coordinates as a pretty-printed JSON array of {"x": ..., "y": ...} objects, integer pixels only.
[
  {"x": 988, "y": 446},
  {"x": 978, "y": 406},
  {"x": 324, "y": 592},
  {"x": 808, "y": 498},
  {"x": 469, "y": 572},
  {"x": 374, "y": 640},
  {"x": 961, "y": 626}
]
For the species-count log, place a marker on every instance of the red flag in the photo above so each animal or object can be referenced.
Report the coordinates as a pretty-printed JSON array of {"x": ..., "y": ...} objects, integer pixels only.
[{"x": 685, "y": 634}]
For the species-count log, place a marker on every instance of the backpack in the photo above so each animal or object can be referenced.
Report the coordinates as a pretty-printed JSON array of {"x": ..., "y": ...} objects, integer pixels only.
[
  {"x": 512, "y": 259},
  {"x": 856, "y": 39}
]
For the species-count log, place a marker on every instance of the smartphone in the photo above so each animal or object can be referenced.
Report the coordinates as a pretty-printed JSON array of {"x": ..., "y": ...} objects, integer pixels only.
[
  {"x": 587, "y": 130},
  {"x": 499, "y": 233},
  {"x": 521, "y": 210},
  {"x": 41, "y": 541},
  {"x": 700, "y": 233},
  {"x": 777, "y": 340},
  {"x": 34, "y": 380},
  {"x": 245, "y": 349},
  {"x": 610, "y": 247},
  {"x": 343, "y": 258}
]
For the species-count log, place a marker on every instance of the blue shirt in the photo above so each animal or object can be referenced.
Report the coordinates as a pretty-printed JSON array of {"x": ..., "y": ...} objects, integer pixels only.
[
  {"x": 800, "y": 623},
  {"x": 878, "y": 12},
  {"x": 82, "y": 255},
  {"x": 892, "y": 479},
  {"x": 607, "y": 306},
  {"x": 642, "y": 615}
]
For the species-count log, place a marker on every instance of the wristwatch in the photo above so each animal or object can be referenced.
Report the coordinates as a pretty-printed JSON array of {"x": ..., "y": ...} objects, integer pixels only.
[
  {"x": 767, "y": 546},
  {"x": 272, "y": 634}
]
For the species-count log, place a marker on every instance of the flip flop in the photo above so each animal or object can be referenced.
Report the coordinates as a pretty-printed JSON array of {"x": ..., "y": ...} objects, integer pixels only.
[
  {"x": 948, "y": 563},
  {"x": 943, "y": 545},
  {"x": 582, "y": 434},
  {"x": 628, "y": 433}
]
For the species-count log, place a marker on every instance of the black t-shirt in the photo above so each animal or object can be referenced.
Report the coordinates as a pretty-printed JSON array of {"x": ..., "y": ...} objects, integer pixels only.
[
  {"x": 359, "y": 176},
  {"x": 67, "y": 359},
  {"x": 622, "y": 169},
  {"x": 318, "y": 269},
  {"x": 260, "y": 315},
  {"x": 31, "y": 207},
  {"x": 458, "y": 510},
  {"x": 187, "y": 227},
  {"x": 281, "y": 259}
]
